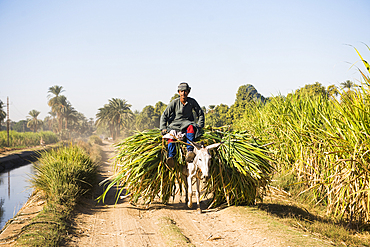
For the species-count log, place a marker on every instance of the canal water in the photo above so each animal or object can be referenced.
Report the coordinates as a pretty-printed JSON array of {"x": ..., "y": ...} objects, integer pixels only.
[{"x": 14, "y": 191}]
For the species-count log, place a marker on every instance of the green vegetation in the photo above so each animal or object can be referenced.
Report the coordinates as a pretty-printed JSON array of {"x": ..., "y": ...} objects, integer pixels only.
[
  {"x": 312, "y": 221},
  {"x": 319, "y": 142},
  {"x": 94, "y": 139},
  {"x": 64, "y": 119},
  {"x": 57, "y": 103},
  {"x": 63, "y": 176},
  {"x": 33, "y": 122},
  {"x": 239, "y": 167},
  {"x": 114, "y": 116},
  {"x": 149, "y": 117},
  {"x": 321, "y": 147},
  {"x": 27, "y": 139}
]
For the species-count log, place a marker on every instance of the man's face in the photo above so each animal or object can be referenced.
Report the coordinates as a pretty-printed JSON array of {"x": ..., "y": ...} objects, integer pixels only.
[{"x": 183, "y": 94}]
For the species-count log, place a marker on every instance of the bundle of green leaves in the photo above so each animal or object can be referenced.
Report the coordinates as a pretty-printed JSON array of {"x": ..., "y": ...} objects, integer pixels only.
[{"x": 240, "y": 167}]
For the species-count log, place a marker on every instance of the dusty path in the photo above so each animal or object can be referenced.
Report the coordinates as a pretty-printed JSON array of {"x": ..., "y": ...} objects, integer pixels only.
[{"x": 125, "y": 225}]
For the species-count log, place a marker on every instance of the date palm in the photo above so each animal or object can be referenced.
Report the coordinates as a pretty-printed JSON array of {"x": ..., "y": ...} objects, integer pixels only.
[
  {"x": 332, "y": 91},
  {"x": 103, "y": 118},
  {"x": 348, "y": 85},
  {"x": 57, "y": 102},
  {"x": 51, "y": 121},
  {"x": 68, "y": 113},
  {"x": 121, "y": 113},
  {"x": 33, "y": 122},
  {"x": 114, "y": 115}
]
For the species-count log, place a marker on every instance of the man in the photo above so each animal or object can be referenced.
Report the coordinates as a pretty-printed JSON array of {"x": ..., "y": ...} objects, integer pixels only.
[{"x": 179, "y": 116}]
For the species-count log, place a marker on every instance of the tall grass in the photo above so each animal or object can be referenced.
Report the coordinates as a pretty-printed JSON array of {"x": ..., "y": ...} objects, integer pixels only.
[
  {"x": 62, "y": 175},
  {"x": 321, "y": 147},
  {"x": 26, "y": 139}
]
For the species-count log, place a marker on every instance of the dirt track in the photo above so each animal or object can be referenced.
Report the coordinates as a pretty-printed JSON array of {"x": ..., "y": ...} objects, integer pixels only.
[{"x": 125, "y": 225}]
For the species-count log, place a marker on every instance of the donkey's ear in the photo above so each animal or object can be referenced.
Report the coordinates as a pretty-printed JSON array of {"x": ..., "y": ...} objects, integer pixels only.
[{"x": 215, "y": 145}]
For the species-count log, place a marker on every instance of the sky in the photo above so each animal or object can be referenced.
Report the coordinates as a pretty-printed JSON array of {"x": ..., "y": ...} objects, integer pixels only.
[{"x": 140, "y": 51}]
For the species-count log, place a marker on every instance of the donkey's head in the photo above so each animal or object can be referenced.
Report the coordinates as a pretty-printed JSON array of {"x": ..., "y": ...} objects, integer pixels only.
[{"x": 203, "y": 157}]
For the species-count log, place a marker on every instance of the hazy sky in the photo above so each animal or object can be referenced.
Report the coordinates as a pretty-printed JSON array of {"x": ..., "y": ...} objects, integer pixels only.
[{"x": 141, "y": 50}]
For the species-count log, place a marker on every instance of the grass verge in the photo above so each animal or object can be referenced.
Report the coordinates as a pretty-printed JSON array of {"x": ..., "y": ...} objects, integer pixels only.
[
  {"x": 312, "y": 220},
  {"x": 171, "y": 233},
  {"x": 64, "y": 176}
]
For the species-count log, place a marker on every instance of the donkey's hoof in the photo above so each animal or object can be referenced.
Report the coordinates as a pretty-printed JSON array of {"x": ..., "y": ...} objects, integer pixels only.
[
  {"x": 190, "y": 205},
  {"x": 199, "y": 210}
]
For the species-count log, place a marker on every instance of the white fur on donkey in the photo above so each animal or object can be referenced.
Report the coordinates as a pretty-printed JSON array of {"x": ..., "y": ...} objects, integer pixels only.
[{"x": 200, "y": 164}]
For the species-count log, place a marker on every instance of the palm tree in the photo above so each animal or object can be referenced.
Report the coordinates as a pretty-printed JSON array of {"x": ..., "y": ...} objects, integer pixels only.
[
  {"x": 34, "y": 122},
  {"x": 332, "y": 91},
  {"x": 348, "y": 84},
  {"x": 81, "y": 124},
  {"x": 68, "y": 113},
  {"x": 2, "y": 113},
  {"x": 115, "y": 115},
  {"x": 102, "y": 118},
  {"x": 121, "y": 113},
  {"x": 57, "y": 102},
  {"x": 51, "y": 121}
]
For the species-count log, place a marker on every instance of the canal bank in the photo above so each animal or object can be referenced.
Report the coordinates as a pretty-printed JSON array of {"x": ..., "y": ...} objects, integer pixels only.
[
  {"x": 15, "y": 170},
  {"x": 70, "y": 171},
  {"x": 16, "y": 158}
]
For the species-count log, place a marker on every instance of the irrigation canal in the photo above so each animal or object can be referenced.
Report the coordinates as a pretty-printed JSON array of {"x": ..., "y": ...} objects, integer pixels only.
[{"x": 14, "y": 191}]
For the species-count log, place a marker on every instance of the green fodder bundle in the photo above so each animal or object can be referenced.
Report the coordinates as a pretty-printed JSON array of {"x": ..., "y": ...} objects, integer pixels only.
[{"x": 239, "y": 168}]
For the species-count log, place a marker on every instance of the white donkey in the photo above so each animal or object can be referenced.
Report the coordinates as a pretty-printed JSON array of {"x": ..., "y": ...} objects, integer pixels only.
[{"x": 200, "y": 165}]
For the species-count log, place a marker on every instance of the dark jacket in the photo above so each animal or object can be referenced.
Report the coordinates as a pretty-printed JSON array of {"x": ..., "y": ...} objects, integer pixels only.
[{"x": 178, "y": 116}]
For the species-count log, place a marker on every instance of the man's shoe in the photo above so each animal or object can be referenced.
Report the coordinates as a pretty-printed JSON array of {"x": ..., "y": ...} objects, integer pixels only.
[
  {"x": 170, "y": 162},
  {"x": 190, "y": 156}
]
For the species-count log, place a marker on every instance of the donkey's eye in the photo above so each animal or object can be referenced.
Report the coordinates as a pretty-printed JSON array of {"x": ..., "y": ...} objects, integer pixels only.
[{"x": 200, "y": 159}]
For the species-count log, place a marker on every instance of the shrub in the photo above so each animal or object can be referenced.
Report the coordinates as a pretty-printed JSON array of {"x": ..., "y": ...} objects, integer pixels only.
[
  {"x": 94, "y": 139},
  {"x": 64, "y": 174}
]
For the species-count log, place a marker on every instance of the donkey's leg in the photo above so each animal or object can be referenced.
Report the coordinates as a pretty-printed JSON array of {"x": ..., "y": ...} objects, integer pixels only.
[
  {"x": 197, "y": 192},
  {"x": 190, "y": 193},
  {"x": 185, "y": 179}
]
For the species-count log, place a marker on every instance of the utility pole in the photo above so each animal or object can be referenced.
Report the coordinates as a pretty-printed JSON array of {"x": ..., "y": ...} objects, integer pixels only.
[{"x": 7, "y": 121}]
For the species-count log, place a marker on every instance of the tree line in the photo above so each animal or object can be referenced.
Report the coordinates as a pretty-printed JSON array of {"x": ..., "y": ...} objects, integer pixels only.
[
  {"x": 62, "y": 119},
  {"x": 116, "y": 119}
]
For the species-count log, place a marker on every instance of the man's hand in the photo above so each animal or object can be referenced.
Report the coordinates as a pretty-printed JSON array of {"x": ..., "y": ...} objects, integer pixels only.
[{"x": 163, "y": 132}]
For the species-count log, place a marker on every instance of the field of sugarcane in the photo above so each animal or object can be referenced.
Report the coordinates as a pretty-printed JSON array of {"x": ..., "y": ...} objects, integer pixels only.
[
  {"x": 239, "y": 170},
  {"x": 321, "y": 146},
  {"x": 26, "y": 139}
]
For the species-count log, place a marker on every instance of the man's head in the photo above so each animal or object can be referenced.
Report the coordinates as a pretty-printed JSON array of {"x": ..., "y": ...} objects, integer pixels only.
[
  {"x": 183, "y": 90},
  {"x": 183, "y": 86}
]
